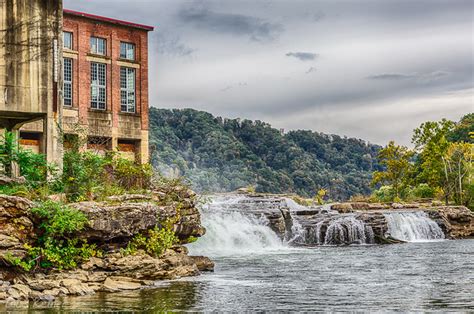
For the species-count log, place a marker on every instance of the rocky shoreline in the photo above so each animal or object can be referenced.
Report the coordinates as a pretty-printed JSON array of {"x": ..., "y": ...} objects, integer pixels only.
[{"x": 111, "y": 225}]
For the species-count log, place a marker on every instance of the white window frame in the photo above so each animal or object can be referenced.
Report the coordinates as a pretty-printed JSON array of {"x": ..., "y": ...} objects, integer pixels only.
[
  {"x": 127, "y": 90},
  {"x": 70, "y": 35},
  {"x": 68, "y": 64},
  {"x": 98, "y": 45},
  {"x": 127, "y": 51},
  {"x": 98, "y": 88}
]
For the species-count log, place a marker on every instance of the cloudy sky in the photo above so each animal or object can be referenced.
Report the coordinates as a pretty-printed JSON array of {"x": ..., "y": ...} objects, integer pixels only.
[{"x": 368, "y": 69}]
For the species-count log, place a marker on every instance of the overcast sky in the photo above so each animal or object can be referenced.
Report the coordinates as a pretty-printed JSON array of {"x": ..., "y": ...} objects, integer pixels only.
[{"x": 368, "y": 69}]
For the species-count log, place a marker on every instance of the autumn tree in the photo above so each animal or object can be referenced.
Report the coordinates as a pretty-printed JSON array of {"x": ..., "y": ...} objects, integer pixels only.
[{"x": 397, "y": 162}]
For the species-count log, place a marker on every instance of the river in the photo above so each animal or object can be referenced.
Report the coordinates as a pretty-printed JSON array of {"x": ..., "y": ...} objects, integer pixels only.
[{"x": 255, "y": 271}]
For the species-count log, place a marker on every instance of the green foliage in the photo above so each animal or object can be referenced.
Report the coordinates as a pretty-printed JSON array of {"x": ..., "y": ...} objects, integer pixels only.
[
  {"x": 56, "y": 246},
  {"x": 396, "y": 160},
  {"x": 8, "y": 151},
  {"x": 33, "y": 167},
  {"x": 82, "y": 173},
  {"x": 385, "y": 194},
  {"x": 462, "y": 129},
  {"x": 218, "y": 155},
  {"x": 443, "y": 165},
  {"x": 58, "y": 220},
  {"x": 155, "y": 242},
  {"x": 423, "y": 190},
  {"x": 88, "y": 176},
  {"x": 431, "y": 142},
  {"x": 131, "y": 175}
]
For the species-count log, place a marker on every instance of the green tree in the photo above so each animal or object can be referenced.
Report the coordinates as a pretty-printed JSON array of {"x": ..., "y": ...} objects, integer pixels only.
[
  {"x": 462, "y": 130},
  {"x": 397, "y": 162},
  {"x": 431, "y": 143},
  {"x": 459, "y": 172}
]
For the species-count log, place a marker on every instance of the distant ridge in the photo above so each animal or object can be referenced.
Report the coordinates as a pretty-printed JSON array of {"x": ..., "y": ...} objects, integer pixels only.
[{"x": 218, "y": 154}]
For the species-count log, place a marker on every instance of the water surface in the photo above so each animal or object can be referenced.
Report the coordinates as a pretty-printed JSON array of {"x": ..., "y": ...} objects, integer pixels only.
[{"x": 412, "y": 276}]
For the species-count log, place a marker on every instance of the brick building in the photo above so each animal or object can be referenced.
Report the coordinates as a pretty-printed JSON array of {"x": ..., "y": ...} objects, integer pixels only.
[{"x": 105, "y": 85}]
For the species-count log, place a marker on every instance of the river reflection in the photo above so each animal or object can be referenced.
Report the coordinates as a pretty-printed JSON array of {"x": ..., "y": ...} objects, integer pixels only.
[{"x": 169, "y": 296}]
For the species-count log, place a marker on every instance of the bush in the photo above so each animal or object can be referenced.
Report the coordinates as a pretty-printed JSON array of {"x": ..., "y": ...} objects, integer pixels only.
[
  {"x": 131, "y": 175},
  {"x": 82, "y": 173},
  {"x": 385, "y": 194},
  {"x": 155, "y": 242},
  {"x": 423, "y": 190},
  {"x": 57, "y": 246}
]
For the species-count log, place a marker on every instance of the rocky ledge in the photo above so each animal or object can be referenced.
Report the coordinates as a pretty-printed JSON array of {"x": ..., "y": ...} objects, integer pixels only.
[
  {"x": 112, "y": 224},
  {"x": 345, "y": 223},
  {"x": 456, "y": 221}
]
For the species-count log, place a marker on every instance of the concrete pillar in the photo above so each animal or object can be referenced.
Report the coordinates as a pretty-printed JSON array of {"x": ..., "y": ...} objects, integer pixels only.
[
  {"x": 114, "y": 141},
  {"x": 52, "y": 141},
  {"x": 15, "y": 168},
  {"x": 143, "y": 153}
]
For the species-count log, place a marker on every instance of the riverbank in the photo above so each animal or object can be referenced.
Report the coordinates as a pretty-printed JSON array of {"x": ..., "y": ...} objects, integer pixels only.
[{"x": 121, "y": 258}]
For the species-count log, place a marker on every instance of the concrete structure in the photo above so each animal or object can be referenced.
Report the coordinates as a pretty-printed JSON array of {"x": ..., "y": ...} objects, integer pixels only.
[
  {"x": 30, "y": 69},
  {"x": 105, "y": 91}
]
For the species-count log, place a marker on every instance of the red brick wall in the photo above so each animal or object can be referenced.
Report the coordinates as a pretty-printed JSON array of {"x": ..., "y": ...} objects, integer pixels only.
[{"x": 83, "y": 29}]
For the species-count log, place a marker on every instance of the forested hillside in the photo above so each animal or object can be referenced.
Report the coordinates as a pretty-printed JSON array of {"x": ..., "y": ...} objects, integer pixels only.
[{"x": 218, "y": 155}]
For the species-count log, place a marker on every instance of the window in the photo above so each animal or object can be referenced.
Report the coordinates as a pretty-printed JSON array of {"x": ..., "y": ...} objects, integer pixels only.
[
  {"x": 98, "y": 88},
  {"x": 127, "y": 89},
  {"x": 67, "y": 40},
  {"x": 67, "y": 87},
  {"x": 127, "y": 51},
  {"x": 98, "y": 45}
]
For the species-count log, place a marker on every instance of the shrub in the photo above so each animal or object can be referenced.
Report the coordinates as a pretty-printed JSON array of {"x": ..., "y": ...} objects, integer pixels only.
[
  {"x": 385, "y": 193},
  {"x": 131, "y": 175},
  {"x": 154, "y": 242},
  {"x": 57, "y": 246},
  {"x": 423, "y": 190},
  {"x": 82, "y": 172}
]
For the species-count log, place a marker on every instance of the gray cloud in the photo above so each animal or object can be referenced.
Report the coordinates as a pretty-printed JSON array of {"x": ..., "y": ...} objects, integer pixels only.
[
  {"x": 303, "y": 56},
  {"x": 387, "y": 66},
  {"x": 423, "y": 77},
  {"x": 230, "y": 23},
  {"x": 310, "y": 70},
  {"x": 172, "y": 45},
  {"x": 391, "y": 76}
]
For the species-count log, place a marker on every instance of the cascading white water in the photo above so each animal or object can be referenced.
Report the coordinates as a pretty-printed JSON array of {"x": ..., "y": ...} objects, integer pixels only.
[
  {"x": 348, "y": 230},
  {"x": 413, "y": 226},
  {"x": 340, "y": 229},
  {"x": 230, "y": 232}
]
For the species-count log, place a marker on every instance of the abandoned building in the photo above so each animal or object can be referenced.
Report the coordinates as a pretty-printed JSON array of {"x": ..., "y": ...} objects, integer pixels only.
[
  {"x": 30, "y": 69},
  {"x": 99, "y": 91}
]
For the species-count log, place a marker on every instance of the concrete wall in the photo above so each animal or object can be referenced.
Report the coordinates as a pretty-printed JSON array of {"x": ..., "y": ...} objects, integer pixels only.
[{"x": 30, "y": 74}]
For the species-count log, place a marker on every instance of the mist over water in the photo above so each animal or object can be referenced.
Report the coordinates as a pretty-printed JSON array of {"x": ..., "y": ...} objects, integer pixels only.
[{"x": 230, "y": 232}]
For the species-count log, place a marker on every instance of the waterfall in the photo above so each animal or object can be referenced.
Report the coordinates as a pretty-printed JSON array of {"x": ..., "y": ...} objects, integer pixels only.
[
  {"x": 348, "y": 230},
  {"x": 412, "y": 226},
  {"x": 336, "y": 230},
  {"x": 232, "y": 232}
]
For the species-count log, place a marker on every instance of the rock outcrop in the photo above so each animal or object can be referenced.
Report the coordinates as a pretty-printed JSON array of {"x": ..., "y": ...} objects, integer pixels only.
[
  {"x": 111, "y": 274},
  {"x": 456, "y": 221},
  {"x": 111, "y": 225}
]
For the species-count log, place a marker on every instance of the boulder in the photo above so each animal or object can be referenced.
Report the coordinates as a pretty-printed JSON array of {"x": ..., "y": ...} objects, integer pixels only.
[
  {"x": 457, "y": 221},
  {"x": 203, "y": 263},
  {"x": 342, "y": 208},
  {"x": 113, "y": 285},
  {"x": 108, "y": 221}
]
